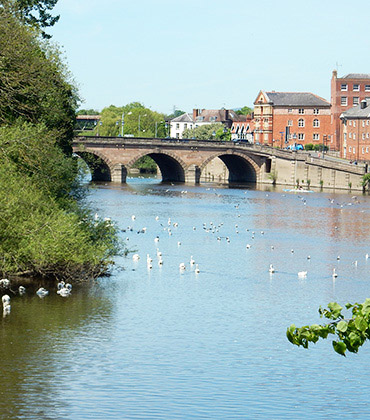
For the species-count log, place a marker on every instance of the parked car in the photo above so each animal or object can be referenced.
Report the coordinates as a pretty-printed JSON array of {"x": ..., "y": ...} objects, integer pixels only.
[{"x": 295, "y": 146}]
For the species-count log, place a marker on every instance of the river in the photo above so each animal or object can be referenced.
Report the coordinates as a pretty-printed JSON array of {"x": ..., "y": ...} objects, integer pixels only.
[{"x": 161, "y": 343}]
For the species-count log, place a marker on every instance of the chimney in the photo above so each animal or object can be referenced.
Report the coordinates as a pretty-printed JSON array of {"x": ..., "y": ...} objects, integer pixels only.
[
  {"x": 335, "y": 74},
  {"x": 195, "y": 113},
  {"x": 363, "y": 104}
]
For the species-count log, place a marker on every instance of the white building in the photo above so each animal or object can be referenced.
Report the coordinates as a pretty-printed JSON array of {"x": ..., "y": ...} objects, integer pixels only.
[{"x": 179, "y": 124}]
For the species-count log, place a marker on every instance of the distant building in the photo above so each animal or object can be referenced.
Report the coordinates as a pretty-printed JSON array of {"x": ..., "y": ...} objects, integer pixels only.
[
  {"x": 243, "y": 130},
  {"x": 87, "y": 122},
  {"x": 346, "y": 92},
  {"x": 179, "y": 124},
  {"x": 285, "y": 118},
  {"x": 355, "y": 132}
]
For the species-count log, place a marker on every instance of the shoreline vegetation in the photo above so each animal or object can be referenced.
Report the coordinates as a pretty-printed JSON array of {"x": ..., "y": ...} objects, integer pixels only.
[{"x": 46, "y": 228}]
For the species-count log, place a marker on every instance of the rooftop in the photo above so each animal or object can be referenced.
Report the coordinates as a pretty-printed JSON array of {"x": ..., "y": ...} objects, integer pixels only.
[
  {"x": 183, "y": 118},
  {"x": 357, "y": 76},
  {"x": 357, "y": 112},
  {"x": 296, "y": 99}
]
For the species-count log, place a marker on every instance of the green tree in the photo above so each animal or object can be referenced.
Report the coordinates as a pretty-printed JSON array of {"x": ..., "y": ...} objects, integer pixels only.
[
  {"x": 175, "y": 114},
  {"x": 244, "y": 111},
  {"x": 350, "y": 332},
  {"x": 214, "y": 131},
  {"x": 134, "y": 114},
  {"x": 34, "y": 13},
  {"x": 366, "y": 181}
]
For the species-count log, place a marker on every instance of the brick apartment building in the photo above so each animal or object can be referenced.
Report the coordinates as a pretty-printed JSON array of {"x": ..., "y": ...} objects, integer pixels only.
[
  {"x": 346, "y": 92},
  {"x": 355, "y": 132},
  {"x": 284, "y": 118}
]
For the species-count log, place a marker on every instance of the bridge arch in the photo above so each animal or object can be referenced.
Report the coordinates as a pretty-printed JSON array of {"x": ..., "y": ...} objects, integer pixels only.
[
  {"x": 173, "y": 168},
  {"x": 242, "y": 168},
  {"x": 100, "y": 166}
]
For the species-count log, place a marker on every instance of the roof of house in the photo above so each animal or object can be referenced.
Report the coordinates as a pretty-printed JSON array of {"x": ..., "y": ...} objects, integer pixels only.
[
  {"x": 183, "y": 118},
  {"x": 357, "y": 112},
  {"x": 296, "y": 99},
  {"x": 356, "y": 76},
  {"x": 219, "y": 115}
]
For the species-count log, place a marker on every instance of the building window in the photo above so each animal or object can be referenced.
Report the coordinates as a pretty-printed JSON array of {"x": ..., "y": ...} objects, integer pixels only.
[
  {"x": 367, "y": 122},
  {"x": 301, "y": 111},
  {"x": 316, "y": 111},
  {"x": 356, "y": 87},
  {"x": 350, "y": 149},
  {"x": 367, "y": 135},
  {"x": 367, "y": 150},
  {"x": 343, "y": 87},
  {"x": 349, "y": 135},
  {"x": 177, "y": 135},
  {"x": 300, "y": 136},
  {"x": 343, "y": 100},
  {"x": 354, "y": 136},
  {"x": 363, "y": 136},
  {"x": 185, "y": 126},
  {"x": 301, "y": 122},
  {"x": 177, "y": 126},
  {"x": 354, "y": 150},
  {"x": 290, "y": 123},
  {"x": 354, "y": 123},
  {"x": 363, "y": 150},
  {"x": 363, "y": 123},
  {"x": 316, "y": 123},
  {"x": 316, "y": 136},
  {"x": 349, "y": 122},
  {"x": 290, "y": 110},
  {"x": 367, "y": 88},
  {"x": 356, "y": 100},
  {"x": 265, "y": 120}
]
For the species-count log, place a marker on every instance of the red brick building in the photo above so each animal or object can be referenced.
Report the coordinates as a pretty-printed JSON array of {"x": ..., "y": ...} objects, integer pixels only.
[
  {"x": 346, "y": 92},
  {"x": 355, "y": 132},
  {"x": 285, "y": 118}
]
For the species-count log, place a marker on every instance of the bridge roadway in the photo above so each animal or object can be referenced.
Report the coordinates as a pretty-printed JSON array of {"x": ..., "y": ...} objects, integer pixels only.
[{"x": 183, "y": 160}]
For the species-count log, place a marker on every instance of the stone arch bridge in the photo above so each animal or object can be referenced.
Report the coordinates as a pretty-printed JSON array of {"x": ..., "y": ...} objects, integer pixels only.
[{"x": 110, "y": 158}]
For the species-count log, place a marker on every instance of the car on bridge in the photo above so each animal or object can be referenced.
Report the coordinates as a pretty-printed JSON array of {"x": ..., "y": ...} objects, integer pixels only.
[{"x": 295, "y": 146}]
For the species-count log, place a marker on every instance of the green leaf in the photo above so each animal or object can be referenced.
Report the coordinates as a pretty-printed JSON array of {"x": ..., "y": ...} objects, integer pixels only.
[
  {"x": 340, "y": 347},
  {"x": 342, "y": 326},
  {"x": 361, "y": 324}
]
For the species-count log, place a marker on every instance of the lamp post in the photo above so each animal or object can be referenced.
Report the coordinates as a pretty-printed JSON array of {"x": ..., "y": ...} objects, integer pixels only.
[
  {"x": 156, "y": 127},
  {"x": 123, "y": 122},
  {"x": 138, "y": 131},
  {"x": 324, "y": 137}
]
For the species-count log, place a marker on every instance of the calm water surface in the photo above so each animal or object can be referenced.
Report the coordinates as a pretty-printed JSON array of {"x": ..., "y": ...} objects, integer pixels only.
[{"x": 161, "y": 344}]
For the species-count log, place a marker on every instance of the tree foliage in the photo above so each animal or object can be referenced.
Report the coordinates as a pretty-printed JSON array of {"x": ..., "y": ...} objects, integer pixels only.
[
  {"x": 244, "y": 111},
  {"x": 351, "y": 333},
  {"x": 214, "y": 131},
  {"x": 366, "y": 181},
  {"x": 35, "y": 13},
  {"x": 135, "y": 117}
]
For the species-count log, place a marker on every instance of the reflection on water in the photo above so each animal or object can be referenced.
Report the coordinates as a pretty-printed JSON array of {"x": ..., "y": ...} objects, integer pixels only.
[{"x": 163, "y": 344}]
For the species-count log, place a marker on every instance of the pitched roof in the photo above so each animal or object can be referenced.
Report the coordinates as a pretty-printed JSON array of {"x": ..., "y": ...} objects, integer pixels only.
[
  {"x": 296, "y": 99},
  {"x": 183, "y": 118},
  {"x": 357, "y": 112},
  {"x": 356, "y": 76},
  {"x": 219, "y": 115}
]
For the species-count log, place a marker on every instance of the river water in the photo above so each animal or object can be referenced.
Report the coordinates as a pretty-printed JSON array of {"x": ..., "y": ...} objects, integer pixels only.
[{"x": 160, "y": 343}]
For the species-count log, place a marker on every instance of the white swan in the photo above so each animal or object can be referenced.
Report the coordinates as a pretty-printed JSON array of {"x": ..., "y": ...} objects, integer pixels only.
[
  {"x": 271, "y": 269},
  {"x": 197, "y": 271},
  {"x": 182, "y": 266},
  {"x": 334, "y": 273},
  {"x": 192, "y": 261},
  {"x": 6, "y": 300},
  {"x": 60, "y": 285},
  {"x": 160, "y": 261},
  {"x": 64, "y": 292},
  {"x": 148, "y": 259},
  {"x": 302, "y": 273},
  {"x": 156, "y": 239},
  {"x": 248, "y": 246},
  {"x": 21, "y": 290},
  {"x": 5, "y": 283},
  {"x": 41, "y": 292},
  {"x": 136, "y": 257}
]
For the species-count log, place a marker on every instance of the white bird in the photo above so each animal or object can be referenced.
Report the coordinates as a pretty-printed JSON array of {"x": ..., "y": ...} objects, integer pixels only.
[
  {"x": 271, "y": 269},
  {"x": 60, "y": 285},
  {"x": 148, "y": 259},
  {"x": 5, "y": 283},
  {"x": 21, "y": 290},
  {"x": 182, "y": 266},
  {"x": 338, "y": 257},
  {"x": 149, "y": 265},
  {"x": 248, "y": 246},
  {"x": 156, "y": 239},
  {"x": 6, "y": 300},
  {"x": 302, "y": 273},
  {"x": 41, "y": 292},
  {"x": 160, "y": 262},
  {"x": 157, "y": 218},
  {"x": 159, "y": 253},
  {"x": 292, "y": 251},
  {"x": 133, "y": 217},
  {"x": 136, "y": 257},
  {"x": 308, "y": 257},
  {"x": 178, "y": 243},
  {"x": 197, "y": 271},
  {"x": 64, "y": 291},
  {"x": 367, "y": 256},
  {"x": 192, "y": 261},
  {"x": 334, "y": 273}
]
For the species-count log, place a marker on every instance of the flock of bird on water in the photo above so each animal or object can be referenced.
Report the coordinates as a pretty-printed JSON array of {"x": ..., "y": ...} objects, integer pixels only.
[{"x": 64, "y": 289}]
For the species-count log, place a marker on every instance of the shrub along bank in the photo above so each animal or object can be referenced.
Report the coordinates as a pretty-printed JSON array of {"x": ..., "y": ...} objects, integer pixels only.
[{"x": 45, "y": 228}]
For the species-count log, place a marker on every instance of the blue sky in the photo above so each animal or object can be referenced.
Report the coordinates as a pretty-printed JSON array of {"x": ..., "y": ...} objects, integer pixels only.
[{"x": 208, "y": 53}]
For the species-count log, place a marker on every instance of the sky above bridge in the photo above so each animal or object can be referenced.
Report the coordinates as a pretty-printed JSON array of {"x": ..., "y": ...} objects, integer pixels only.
[{"x": 208, "y": 53}]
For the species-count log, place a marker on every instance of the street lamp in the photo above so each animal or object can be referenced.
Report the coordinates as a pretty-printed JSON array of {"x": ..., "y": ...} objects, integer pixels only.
[
  {"x": 138, "y": 131},
  {"x": 324, "y": 137},
  {"x": 123, "y": 121},
  {"x": 156, "y": 127}
]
